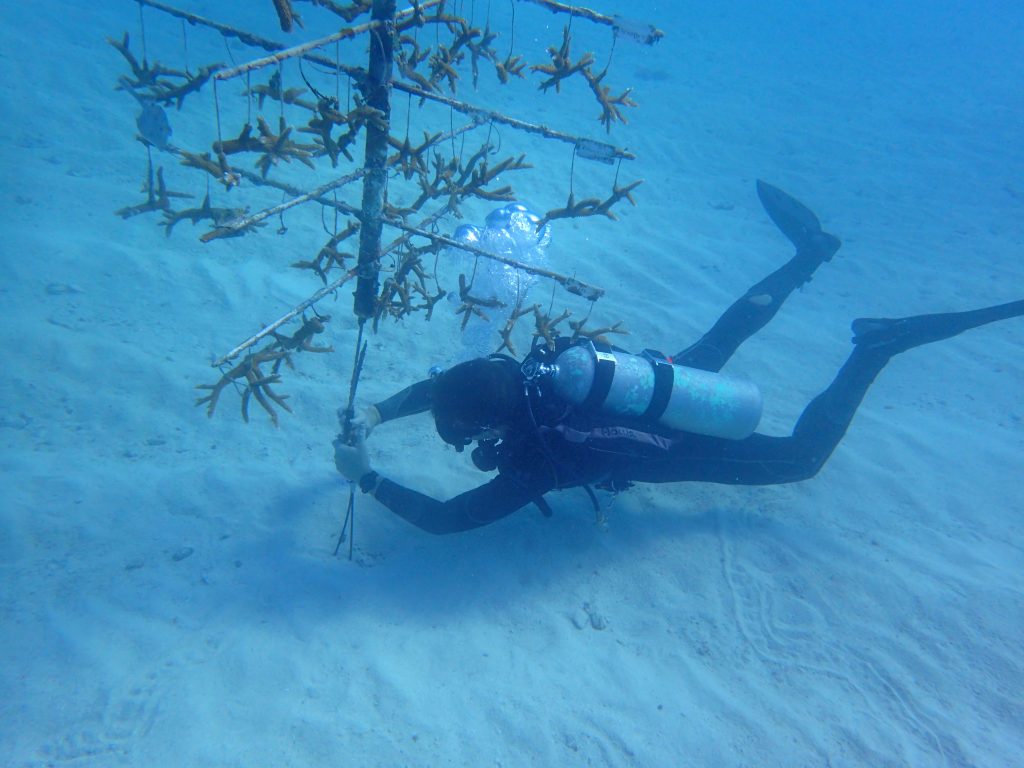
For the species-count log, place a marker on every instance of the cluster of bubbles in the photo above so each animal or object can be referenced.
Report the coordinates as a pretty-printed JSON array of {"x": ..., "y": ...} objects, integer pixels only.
[{"x": 510, "y": 231}]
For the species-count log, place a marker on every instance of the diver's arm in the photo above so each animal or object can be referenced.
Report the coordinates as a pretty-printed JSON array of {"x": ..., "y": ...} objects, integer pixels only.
[
  {"x": 489, "y": 502},
  {"x": 411, "y": 400},
  {"x": 483, "y": 505}
]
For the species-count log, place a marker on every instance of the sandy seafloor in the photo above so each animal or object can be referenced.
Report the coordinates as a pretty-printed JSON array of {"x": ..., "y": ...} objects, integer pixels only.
[{"x": 871, "y": 616}]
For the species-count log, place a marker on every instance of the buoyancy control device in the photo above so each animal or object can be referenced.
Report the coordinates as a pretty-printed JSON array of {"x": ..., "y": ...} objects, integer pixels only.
[{"x": 650, "y": 388}]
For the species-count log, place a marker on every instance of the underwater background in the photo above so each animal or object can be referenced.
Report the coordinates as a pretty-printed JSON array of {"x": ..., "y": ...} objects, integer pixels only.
[{"x": 169, "y": 594}]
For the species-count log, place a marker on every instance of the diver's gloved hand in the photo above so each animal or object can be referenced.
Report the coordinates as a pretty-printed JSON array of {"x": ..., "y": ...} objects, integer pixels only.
[
  {"x": 351, "y": 460},
  {"x": 365, "y": 419}
]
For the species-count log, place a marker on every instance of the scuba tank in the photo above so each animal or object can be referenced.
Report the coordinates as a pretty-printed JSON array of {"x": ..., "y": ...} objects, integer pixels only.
[{"x": 649, "y": 387}]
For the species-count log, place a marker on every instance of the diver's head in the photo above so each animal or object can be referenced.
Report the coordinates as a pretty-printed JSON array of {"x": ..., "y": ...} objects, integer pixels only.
[{"x": 476, "y": 400}]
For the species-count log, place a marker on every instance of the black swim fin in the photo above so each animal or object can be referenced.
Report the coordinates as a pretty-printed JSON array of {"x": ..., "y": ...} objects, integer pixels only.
[
  {"x": 894, "y": 335},
  {"x": 797, "y": 222}
]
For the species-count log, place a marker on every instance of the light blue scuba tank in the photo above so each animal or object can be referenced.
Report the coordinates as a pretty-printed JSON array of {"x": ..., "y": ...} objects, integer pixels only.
[{"x": 649, "y": 387}]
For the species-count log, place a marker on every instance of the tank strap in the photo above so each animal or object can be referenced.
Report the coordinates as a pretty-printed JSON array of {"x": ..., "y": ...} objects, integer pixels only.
[
  {"x": 604, "y": 370},
  {"x": 664, "y": 377},
  {"x": 611, "y": 433}
]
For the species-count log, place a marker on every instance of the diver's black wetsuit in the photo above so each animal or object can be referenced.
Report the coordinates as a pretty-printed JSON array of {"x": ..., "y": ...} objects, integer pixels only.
[{"x": 542, "y": 451}]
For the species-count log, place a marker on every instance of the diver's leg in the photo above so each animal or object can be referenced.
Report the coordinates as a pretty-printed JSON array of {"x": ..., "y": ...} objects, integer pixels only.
[
  {"x": 760, "y": 303},
  {"x": 826, "y": 418},
  {"x": 764, "y": 460}
]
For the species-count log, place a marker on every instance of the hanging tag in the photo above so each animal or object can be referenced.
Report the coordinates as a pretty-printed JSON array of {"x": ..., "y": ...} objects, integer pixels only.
[
  {"x": 578, "y": 288},
  {"x": 648, "y": 34},
  {"x": 596, "y": 150}
]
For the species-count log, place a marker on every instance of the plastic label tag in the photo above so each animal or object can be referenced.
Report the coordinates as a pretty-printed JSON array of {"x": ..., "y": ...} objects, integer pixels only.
[{"x": 647, "y": 34}]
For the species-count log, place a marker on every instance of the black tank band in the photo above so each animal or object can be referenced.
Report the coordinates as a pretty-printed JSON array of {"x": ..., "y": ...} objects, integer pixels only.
[
  {"x": 604, "y": 371},
  {"x": 664, "y": 376}
]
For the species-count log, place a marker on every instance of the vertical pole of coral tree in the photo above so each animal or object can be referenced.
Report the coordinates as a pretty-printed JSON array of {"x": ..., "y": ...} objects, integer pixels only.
[{"x": 377, "y": 92}]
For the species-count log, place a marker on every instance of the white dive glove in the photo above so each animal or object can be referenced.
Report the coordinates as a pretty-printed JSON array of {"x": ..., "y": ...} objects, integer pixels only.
[
  {"x": 364, "y": 420},
  {"x": 351, "y": 460}
]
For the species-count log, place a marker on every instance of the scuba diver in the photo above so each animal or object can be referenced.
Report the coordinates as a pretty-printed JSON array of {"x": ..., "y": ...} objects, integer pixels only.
[{"x": 586, "y": 414}]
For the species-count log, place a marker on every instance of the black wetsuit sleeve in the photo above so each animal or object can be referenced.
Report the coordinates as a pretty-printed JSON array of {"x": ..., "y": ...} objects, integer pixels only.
[
  {"x": 411, "y": 400},
  {"x": 483, "y": 505}
]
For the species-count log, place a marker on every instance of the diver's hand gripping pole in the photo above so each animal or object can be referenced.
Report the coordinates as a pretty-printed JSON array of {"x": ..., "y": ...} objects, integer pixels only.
[
  {"x": 345, "y": 418},
  {"x": 348, "y": 436}
]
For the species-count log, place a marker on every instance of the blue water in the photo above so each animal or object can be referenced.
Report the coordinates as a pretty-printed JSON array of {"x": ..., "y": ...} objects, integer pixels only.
[{"x": 169, "y": 594}]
